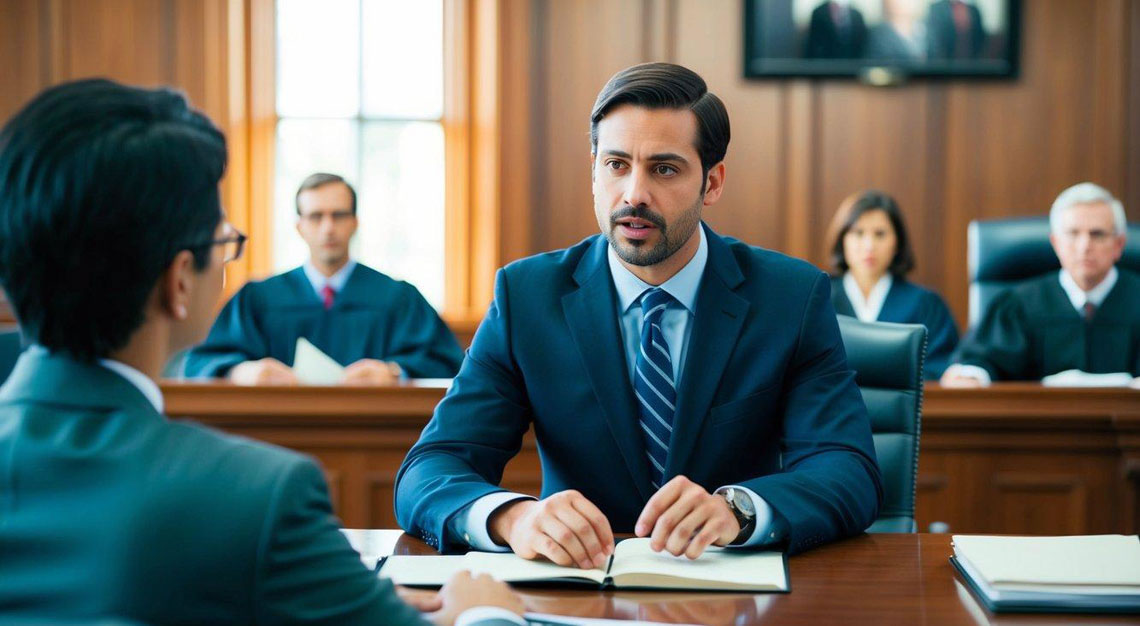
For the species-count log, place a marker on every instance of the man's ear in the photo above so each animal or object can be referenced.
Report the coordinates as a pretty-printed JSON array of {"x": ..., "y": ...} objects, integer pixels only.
[
  {"x": 593, "y": 155},
  {"x": 177, "y": 286},
  {"x": 714, "y": 184}
]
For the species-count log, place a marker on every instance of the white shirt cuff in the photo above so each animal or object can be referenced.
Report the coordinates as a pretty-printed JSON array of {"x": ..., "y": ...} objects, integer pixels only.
[
  {"x": 479, "y": 613},
  {"x": 972, "y": 371},
  {"x": 473, "y": 524},
  {"x": 766, "y": 530}
]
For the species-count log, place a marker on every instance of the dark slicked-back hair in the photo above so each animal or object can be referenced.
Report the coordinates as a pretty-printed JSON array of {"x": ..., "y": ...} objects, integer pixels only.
[
  {"x": 101, "y": 186},
  {"x": 320, "y": 179},
  {"x": 668, "y": 86},
  {"x": 849, "y": 212}
]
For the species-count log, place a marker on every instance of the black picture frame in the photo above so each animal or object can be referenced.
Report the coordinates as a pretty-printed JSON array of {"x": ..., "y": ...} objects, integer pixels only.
[{"x": 769, "y": 29}]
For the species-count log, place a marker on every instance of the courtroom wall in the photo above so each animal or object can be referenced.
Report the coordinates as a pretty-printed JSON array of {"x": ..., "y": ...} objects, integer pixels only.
[{"x": 949, "y": 152}]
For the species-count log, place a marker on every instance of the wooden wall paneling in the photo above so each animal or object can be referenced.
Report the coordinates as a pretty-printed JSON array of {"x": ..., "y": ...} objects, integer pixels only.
[
  {"x": 583, "y": 43},
  {"x": 1132, "y": 197},
  {"x": 751, "y": 207},
  {"x": 872, "y": 138},
  {"x": 517, "y": 71},
  {"x": 123, "y": 39},
  {"x": 22, "y": 40},
  {"x": 253, "y": 94}
]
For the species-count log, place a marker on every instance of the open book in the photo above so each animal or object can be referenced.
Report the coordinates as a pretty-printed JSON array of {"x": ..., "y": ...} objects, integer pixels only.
[
  {"x": 633, "y": 566},
  {"x": 1084, "y": 573}
]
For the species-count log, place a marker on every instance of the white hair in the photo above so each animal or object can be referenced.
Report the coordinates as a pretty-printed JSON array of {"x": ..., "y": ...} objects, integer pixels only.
[{"x": 1087, "y": 193}]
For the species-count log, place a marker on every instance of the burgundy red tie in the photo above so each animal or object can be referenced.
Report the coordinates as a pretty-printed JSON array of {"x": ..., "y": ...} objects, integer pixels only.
[
  {"x": 1089, "y": 311},
  {"x": 327, "y": 295}
]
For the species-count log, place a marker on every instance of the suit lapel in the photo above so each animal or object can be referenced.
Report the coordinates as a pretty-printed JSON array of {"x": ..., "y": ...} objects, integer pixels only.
[
  {"x": 717, "y": 323},
  {"x": 591, "y": 314},
  {"x": 839, "y": 299}
]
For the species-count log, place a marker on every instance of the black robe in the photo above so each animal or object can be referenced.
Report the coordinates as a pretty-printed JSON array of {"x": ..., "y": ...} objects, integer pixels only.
[
  {"x": 373, "y": 317},
  {"x": 1033, "y": 330}
]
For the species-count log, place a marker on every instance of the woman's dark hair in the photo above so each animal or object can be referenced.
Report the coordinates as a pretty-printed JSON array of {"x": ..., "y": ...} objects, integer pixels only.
[
  {"x": 668, "y": 86},
  {"x": 101, "y": 186},
  {"x": 849, "y": 212}
]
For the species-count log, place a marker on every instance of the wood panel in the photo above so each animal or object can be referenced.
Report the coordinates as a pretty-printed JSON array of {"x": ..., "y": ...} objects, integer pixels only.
[
  {"x": 1014, "y": 458},
  {"x": 195, "y": 46}
]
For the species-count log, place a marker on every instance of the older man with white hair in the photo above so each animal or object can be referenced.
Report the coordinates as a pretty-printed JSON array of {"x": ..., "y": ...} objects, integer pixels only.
[{"x": 1084, "y": 317}]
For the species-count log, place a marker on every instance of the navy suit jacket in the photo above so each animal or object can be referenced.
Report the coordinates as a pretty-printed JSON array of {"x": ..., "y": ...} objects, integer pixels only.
[
  {"x": 908, "y": 303},
  {"x": 765, "y": 400}
]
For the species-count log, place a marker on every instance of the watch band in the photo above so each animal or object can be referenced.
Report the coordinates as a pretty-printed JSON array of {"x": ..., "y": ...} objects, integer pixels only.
[{"x": 747, "y": 522}]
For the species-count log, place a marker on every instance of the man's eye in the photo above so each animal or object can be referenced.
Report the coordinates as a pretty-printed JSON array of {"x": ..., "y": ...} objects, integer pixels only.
[
  {"x": 665, "y": 170},
  {"x": 615, "y": 165}
]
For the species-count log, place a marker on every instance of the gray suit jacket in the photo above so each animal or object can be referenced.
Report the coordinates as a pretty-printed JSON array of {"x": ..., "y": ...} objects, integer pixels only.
[{"x": 109, "y": 509}]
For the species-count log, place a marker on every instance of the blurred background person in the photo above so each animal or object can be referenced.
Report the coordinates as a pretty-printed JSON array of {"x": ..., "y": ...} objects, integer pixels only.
[
  {"x": 870, "y": 258},
  {"x": 1086, "y": 316},
  {"x": 836, "y": 31},
  {"x": 956, "y": 30},
  {"x": 379, "y": 328},
  {"x": 901, "y": 36}
]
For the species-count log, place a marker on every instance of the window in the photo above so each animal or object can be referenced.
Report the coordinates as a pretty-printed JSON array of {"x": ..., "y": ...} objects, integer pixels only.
[{"x": 360, "y": 94}]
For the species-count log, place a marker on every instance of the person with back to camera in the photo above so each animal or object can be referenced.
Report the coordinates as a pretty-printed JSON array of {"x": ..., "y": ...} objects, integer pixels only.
[{"x": 112, "y": 248}]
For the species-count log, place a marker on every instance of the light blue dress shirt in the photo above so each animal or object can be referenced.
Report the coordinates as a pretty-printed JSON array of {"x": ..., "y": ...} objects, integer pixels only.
[
  {"x": 676, "y": 324},
  {"x": 336, "y": 281}
]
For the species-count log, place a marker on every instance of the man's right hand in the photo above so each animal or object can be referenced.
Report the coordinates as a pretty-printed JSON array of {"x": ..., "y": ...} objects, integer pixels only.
[
  {"x": 565, "y": 528},
  {"x": 464, "y": 591},
  {"x": 265, "y": 371}
]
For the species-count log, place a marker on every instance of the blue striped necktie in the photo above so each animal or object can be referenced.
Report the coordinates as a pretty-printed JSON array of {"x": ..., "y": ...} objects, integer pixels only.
[{"x": 654, "y": 385}]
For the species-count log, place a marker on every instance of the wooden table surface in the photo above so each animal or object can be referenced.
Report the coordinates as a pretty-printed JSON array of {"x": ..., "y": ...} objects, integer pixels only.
[{"x": 870, "y": 579}]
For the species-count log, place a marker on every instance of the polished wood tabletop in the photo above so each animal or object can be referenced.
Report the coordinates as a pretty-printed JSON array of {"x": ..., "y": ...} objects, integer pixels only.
[{"x": 870, "y": 579}]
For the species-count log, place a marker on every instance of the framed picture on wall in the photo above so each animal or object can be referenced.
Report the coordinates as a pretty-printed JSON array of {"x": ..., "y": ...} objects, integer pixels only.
[{"x": 885, "y": 38}]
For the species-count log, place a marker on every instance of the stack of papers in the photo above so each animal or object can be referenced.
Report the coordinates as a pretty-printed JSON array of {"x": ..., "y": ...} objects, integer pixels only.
[
  {"x": 1077, "y": 378},
  {"x": 1088, "y": 573}
]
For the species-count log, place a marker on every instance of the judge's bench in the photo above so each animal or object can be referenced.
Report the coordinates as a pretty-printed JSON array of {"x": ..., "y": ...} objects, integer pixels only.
[{"x": 1014, "y": 458}]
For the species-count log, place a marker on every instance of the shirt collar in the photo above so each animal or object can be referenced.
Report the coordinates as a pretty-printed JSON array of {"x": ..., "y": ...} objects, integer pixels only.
[
  {"x": 1096, "y": 295},
  {"x": 867, "y": 309},
  {"x": 143, "y": 382},
  {"x": 683, "y": 285},
  {"x": 336, "y": 281}
]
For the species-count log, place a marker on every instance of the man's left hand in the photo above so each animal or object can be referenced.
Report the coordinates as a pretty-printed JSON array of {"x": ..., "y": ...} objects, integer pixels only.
[
  {"x": 683, "y": 518},
  {"x": 371, "y": 372}
]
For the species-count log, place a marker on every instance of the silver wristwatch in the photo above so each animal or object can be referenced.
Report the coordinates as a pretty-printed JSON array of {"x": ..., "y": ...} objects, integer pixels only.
[{"x": 741, "y": 506}]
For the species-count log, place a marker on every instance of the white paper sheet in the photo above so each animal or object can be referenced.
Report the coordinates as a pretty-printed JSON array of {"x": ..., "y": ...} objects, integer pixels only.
[{"x": 314, "y": 367}]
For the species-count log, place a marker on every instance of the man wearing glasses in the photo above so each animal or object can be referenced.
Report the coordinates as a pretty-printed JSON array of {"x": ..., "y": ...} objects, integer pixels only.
[
  {"x": 108, "y": 510},
  {"x": 1086, "y": 316},
  {"x": 381, "y": 329}
]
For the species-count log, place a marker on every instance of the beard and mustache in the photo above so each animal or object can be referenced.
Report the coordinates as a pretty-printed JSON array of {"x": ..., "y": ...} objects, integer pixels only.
[{"x": 672, "y": 238}]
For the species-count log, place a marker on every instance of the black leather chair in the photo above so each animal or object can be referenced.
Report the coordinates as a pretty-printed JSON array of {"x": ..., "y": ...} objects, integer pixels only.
[
  {"x": 10, "y": 349},
  {"x": 1007, "y": 251},
  {"x": 888, "y": 359}
]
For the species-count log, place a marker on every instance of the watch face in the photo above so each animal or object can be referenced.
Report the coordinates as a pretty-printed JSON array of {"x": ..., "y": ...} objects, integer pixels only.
[{"x": 743, "y": 503}]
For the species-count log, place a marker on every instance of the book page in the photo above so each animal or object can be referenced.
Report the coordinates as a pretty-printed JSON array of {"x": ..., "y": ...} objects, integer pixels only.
[
  {"x": 434, "y": 570},
  {"x": 423, "y": 571},
  {"x": 507, "y": 566},
  {"x": 1071, "y": 560},
  {"x": 635, "y": 564}
]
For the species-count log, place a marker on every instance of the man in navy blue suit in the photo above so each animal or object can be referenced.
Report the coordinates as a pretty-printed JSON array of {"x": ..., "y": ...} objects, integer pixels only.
[{"x": 682, "y": 386}]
